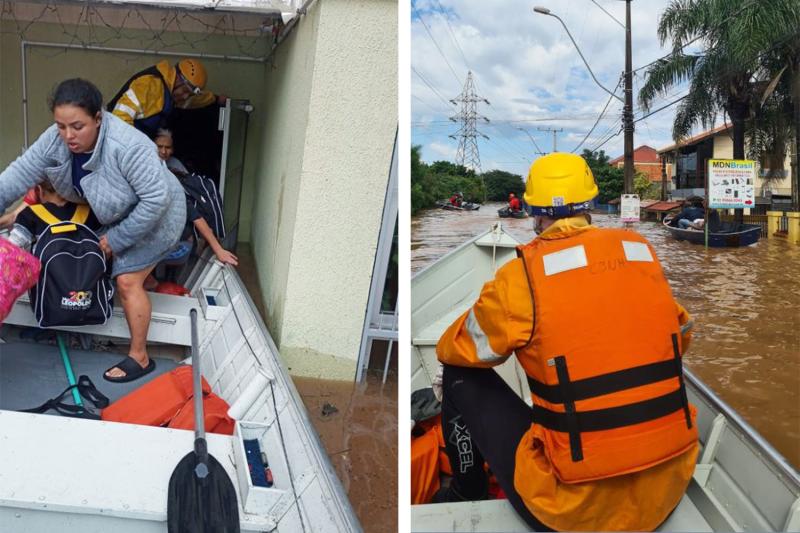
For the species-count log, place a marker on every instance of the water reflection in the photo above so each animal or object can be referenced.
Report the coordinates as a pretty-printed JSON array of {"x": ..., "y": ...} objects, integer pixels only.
[{"x": 744, "y": 301}]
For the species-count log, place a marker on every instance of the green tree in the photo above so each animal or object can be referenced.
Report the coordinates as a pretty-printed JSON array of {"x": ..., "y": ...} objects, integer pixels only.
[
  {"x": 500, "y": 183},
  {"x": 610, "y": 180},
  {"x": 645, "y": 188},
  {"x": 737, "y": 36}
]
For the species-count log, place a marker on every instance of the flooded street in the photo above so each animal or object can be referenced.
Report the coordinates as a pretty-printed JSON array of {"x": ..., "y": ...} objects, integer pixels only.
[
  {"x": 361, "y": 441},
  {"x": 745, "y": 303}
]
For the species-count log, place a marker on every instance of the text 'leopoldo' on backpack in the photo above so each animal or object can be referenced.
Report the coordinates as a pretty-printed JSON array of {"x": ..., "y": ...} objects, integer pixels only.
[{"x": 74, "y": 287}]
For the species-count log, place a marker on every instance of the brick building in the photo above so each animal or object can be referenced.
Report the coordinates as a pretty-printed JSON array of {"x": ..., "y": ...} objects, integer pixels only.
[{"x": 645, "y": 160}]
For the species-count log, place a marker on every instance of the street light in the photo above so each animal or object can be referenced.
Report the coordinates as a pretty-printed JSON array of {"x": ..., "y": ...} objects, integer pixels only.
[
  {"x": 627, "y": 110},
  {"x": 538, "y": 150}
]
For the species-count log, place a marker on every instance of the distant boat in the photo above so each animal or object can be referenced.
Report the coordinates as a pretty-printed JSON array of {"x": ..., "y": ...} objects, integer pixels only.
[
  {"x": 729, "y": 234},
  {"x": 466, "y": 206},
  {"x": 740, "y": 483},
  {"x": 505, "y": 212}
]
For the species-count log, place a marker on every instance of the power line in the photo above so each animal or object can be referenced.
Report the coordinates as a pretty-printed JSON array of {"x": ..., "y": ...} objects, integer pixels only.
[
  {"x": 452, "y": 34},
  {"x": 429, "y": 85},
  {"x": 596, "y": 122},
  {"x": 419, "y": 16}
]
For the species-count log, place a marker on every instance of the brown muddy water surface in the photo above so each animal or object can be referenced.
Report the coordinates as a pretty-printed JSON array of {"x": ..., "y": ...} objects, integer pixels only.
[
  {"x": 360, "y": 436},
  {"x": 745, "y": 303}
]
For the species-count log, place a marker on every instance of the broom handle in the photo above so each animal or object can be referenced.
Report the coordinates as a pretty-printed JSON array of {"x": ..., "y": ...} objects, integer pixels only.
[{"x": 199, "y": 421}]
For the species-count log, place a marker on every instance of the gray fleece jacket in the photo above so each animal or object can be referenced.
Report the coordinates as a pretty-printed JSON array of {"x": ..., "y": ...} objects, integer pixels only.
[{"x": 129, "y": 188}]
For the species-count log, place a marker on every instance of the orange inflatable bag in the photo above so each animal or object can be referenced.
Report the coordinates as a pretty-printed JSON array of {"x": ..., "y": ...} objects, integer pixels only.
[{"x": 166, "y": 401}]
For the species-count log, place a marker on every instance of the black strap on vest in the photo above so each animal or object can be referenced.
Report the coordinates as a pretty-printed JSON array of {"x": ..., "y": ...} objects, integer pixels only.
[
  {"x": 86, "y": 389},
  {"x": 612, "y": 417},
  {"x": 678, "y": 365},
  {"x": 608, "y": 383},
  {"x": 570, "y": 415},
  {"x": 567, "y": 392}
]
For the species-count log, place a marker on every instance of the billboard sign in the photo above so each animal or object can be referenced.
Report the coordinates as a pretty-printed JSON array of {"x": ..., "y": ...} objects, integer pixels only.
[{"x": 731, "y": 183}]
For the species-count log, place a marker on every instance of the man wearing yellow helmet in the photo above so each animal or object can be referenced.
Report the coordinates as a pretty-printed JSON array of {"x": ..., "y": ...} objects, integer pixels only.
[
  {"x": 148, "y": 97},
  {"x": 610, "y": 440}
]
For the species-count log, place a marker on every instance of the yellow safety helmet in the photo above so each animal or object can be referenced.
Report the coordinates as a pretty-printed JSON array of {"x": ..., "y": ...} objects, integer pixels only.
[
  {"x": 560, "y": 185},
  {"x": 193, "y": 72}
]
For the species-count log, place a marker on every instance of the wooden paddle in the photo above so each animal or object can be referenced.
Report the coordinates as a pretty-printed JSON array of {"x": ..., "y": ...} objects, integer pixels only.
[{"x": 201, "y": 497}]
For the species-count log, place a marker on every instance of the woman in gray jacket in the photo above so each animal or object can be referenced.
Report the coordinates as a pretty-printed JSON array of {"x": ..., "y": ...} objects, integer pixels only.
[{"x": 91, "y": 156}]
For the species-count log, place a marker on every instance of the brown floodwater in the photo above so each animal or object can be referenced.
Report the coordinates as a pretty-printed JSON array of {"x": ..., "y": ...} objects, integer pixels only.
[
  {"x": 745, "y": 303},
  {"x": 358, "y": 427},
  {"x": 361, "y": 440}
]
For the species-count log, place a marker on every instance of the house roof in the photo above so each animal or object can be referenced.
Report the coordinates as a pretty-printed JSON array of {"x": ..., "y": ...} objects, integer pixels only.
[
  {"x": 641, "y": 154},
  {"x": 662, "y": 206},
  {"x": 697, "y": 138}
]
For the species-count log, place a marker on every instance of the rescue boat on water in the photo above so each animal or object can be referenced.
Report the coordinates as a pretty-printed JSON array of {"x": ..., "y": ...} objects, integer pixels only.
[
  {"x": 78, "y": 475},
  {"x": 741, "y": 483}
]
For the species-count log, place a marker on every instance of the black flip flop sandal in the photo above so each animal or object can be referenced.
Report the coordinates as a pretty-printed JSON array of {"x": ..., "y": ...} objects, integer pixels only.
[{"x": 132, "y": 369}]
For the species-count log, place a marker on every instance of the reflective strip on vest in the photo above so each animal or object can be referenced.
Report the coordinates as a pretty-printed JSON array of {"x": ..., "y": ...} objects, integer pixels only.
[
  {"x": 483, "y": 350},
  {"x": 563, "y": 260},
  {"x": 133, "y": 98},
  {"x": 637, "y": 251},
  {"x": 125, "y": 109}
]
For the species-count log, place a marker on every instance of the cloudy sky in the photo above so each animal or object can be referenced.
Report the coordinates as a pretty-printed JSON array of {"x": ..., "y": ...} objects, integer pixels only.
[{"x": 525, "y": 65}]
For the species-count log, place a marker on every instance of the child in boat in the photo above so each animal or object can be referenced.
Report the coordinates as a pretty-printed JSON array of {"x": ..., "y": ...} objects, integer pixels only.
[{"x": 28, "y": 225}]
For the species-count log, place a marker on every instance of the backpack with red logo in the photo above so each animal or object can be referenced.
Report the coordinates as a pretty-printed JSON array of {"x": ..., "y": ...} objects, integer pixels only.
[{"x": 74, "y": 287}]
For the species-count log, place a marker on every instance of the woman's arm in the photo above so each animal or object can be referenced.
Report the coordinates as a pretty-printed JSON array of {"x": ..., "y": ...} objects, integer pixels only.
[{"x": 142, "y": 169}]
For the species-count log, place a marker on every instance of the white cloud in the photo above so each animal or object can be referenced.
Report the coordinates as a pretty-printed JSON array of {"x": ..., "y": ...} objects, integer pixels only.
[{"x": 525, "y": 65}]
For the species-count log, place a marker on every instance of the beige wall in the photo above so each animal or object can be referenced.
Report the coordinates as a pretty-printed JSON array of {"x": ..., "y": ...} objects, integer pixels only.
[{"x": 325, "y": 160}]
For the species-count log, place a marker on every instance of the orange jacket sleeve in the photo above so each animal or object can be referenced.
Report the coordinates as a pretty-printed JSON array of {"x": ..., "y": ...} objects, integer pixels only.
[
  {"x": 686, "y": 322},
  {"x": 497, "y": 324}
]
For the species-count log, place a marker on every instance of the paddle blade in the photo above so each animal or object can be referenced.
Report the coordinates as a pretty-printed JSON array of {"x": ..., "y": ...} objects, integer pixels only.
[{"x": 197, "y": 505}]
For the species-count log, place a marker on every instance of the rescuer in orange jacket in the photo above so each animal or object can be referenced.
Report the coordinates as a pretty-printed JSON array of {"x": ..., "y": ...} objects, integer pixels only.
[
  {"x": 610, "y": 442},
  {"x": 513, "y": 202}
]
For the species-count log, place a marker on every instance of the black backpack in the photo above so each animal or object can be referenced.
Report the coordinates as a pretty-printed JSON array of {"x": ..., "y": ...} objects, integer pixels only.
[
  {"x": 202, "y": 193},
  {"x": 74, "y": 287}
]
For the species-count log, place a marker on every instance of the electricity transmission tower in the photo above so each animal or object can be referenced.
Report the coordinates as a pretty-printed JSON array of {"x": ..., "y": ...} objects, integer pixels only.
[{"x": 467, "y": 154}]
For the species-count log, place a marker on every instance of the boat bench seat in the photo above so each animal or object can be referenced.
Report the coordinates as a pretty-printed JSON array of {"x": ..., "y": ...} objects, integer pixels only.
[
  {"x": 169, "y": 321},
  {"x": 498, "y": 515}
]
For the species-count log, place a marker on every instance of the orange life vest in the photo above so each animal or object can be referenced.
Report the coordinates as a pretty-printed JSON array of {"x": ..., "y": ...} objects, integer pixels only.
[
  {"x": 168, "y": 401},
  {"x": 603, "y": 362}
]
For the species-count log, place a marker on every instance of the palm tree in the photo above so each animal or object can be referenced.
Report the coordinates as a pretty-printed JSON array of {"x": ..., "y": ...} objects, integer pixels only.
[{"x": 741, "y": 40}]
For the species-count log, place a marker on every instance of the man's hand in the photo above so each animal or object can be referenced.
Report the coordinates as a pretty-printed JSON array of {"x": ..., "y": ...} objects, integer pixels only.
[{"x": 222, "y": 99}]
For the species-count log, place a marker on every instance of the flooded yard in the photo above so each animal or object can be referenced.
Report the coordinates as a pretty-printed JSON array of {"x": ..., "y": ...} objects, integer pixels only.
[{"x": 745, "y": 303}]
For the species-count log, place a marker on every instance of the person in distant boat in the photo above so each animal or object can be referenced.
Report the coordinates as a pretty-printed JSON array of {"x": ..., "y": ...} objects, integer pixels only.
[
  {"x": 164, "y": 144},
  {"x": 90, "y": 156},
  {"x": 692, "y": 210},
  {"x": 611, "y": 440},
  {"x": 513, "y": 202},
  {"x": 457, "y": 199},
  {"x": 147, "y": 99}
]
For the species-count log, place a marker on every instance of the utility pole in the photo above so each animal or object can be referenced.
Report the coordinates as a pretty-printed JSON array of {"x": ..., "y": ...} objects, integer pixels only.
[
  {"x": 555, "y": 131},
  {"x": 467, "y": 154},
  {"x": 627, "y": 112}
]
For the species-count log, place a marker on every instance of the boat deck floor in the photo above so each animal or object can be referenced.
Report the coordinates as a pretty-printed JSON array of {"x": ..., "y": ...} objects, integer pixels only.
[
  {"x": 32, "y": 373},
  {"x": 498, "y": 515}
]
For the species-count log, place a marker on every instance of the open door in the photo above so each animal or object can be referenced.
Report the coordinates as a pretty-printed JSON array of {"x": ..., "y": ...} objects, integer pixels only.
[{"x": 233, "y": 120}]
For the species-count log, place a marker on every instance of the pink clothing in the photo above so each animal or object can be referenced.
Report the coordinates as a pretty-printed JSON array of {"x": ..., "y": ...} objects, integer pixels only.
[{"x": 19, "y": 271}]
